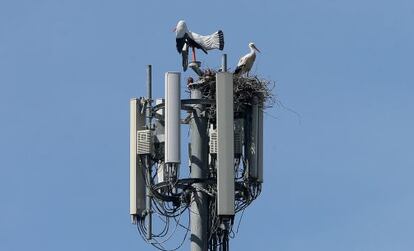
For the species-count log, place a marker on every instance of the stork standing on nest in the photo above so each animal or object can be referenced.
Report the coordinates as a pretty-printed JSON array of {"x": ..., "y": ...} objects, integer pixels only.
[
  {"x": 186, "y": 39},
  {"x": 246, "y": 62}
]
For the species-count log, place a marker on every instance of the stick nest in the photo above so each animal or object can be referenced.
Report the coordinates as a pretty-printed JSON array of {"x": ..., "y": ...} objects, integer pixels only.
[{"x": 244, "y": 91}]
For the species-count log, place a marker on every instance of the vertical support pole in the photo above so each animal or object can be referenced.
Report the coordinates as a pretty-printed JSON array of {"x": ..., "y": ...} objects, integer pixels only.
[
  {"x": 149, "y": 95},
  {"x": 148, "y": 163},
  {"x": 149, "y": 82},
  {"x": 148, "y": 193},
  {"x": 224, "y": 63},
  {"x": 199, "y": 169}
]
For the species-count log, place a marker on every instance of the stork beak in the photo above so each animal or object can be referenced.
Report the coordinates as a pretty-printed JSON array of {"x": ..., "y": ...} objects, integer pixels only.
[
  {"x": 254, "y": 46},
  {"x": 173, "y": 30}
]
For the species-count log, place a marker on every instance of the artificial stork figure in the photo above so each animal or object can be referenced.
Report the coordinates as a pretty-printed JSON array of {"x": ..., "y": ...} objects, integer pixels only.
[{"x": 186, "y": 39}]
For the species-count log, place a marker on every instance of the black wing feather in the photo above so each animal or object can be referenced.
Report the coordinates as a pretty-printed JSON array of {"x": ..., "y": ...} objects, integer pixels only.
[
  {"x": 194, "y": 44},
  {"x": 180, "y": 44},
  {"x": 238, "y": 69},
  {"x": 221, "y": 40}
]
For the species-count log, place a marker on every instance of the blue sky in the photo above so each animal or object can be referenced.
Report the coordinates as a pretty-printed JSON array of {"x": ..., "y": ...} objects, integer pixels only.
[{"x": 339, "y": 178}]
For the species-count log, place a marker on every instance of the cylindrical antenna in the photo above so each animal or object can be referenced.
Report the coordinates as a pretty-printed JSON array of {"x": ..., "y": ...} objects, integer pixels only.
[
  {"x": 172, "y": 117},
  {"x": 224, "y": 63}
]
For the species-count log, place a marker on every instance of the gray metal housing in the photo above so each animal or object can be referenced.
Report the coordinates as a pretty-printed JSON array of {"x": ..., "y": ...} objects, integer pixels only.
[
  {"x": 260, "y": 145},
  {"x": 255, "y": 143},
  {"x": 225, "y": 144},
  {"x": 137, "y": 182}
]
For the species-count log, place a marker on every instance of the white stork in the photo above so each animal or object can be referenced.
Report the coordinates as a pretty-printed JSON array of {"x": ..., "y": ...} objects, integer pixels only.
[
  {"x": 186, "y": 39},
  {"x": 246, "y": 62}
]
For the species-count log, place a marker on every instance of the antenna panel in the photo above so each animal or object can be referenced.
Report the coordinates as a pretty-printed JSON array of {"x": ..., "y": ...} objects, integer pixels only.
[
  {"x": 225, "y": 144},
  {"x": 253, "y": 141},
  {"x": 137, "y": 183},
  {"x": 260, "y": 145},
  {"x": 172, "y": 117},
  {"x": 238, "y": 137}
]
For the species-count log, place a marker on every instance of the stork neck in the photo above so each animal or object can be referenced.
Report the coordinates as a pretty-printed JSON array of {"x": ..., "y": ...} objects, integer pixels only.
[{"x": 252, "y": 51}]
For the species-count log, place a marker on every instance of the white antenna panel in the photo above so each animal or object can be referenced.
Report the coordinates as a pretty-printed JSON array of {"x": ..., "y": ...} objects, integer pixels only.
[{"x": 172, "y": 117}]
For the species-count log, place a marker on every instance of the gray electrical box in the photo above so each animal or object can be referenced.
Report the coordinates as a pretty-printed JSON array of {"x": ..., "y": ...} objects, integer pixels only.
[
  {"x": 225, "y": 144},
  {"x": 137, "y": 182},
  {"x": 213, "y": 141},
  {"x": 145, "y": 142}
]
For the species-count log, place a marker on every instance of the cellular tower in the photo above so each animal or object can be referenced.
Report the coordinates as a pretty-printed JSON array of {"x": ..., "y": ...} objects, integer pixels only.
[{"x": 224, "y": 175}]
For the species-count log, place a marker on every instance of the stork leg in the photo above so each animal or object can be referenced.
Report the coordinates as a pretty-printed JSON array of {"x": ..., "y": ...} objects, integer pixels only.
[{"x": 194, "y": 55}]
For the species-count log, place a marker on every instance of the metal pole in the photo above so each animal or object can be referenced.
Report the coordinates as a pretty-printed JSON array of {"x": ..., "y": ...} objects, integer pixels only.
[
  {"x": 147, "y": 158},
  {"x": 224, "y": 63},
  {"x": 199, "y": 169},
  {"x": 149, "y": 82},
  {"x": 148, "y": 201},
  {"x": 149, "y": 95}
]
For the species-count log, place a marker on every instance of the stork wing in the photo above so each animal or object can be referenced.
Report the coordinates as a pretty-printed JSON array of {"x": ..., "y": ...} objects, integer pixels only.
[
  {"x": 242, "y": 61},
  {"x": 241, "y": 64},
  {"x": 195, "y": 41},
  {"x": 238, "y": 69},
  {"x": 180, "y": 44},
  {"x": 209, "y": 42}
]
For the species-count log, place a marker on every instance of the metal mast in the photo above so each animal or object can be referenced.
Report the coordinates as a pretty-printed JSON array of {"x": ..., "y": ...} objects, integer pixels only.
[{"x": 199, "y": 170}]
